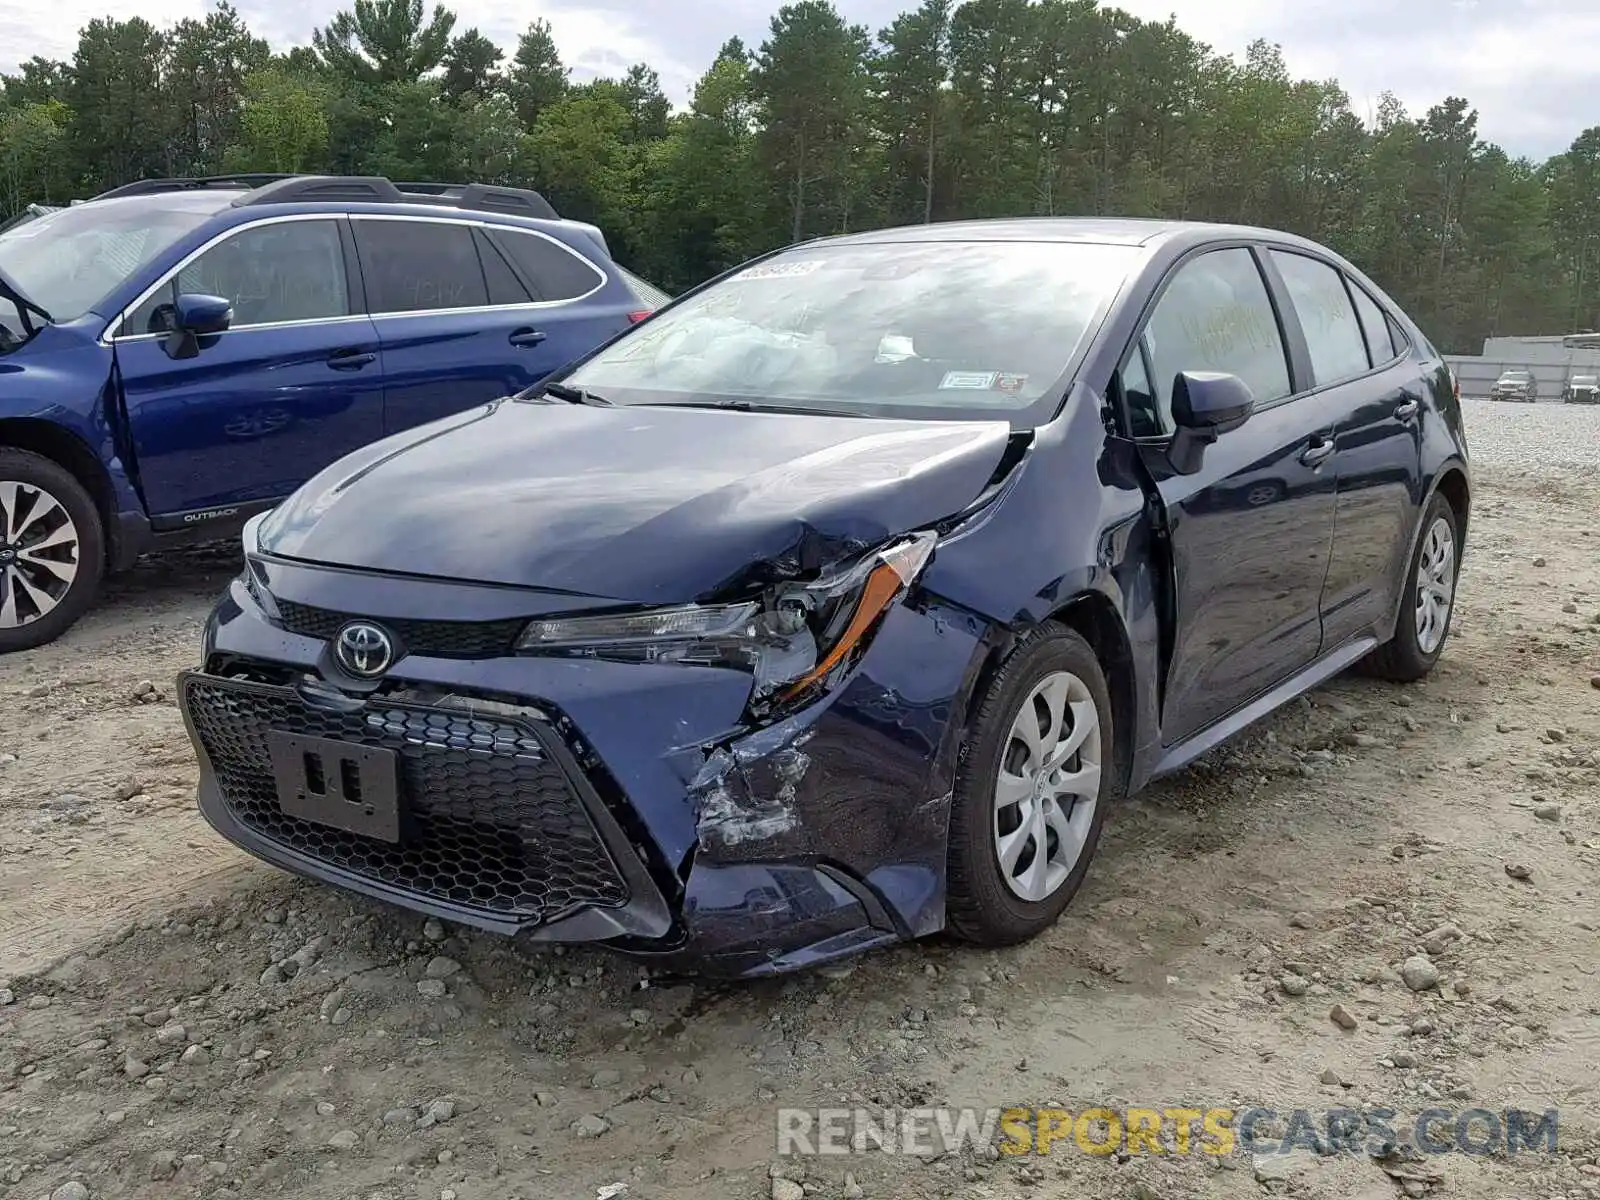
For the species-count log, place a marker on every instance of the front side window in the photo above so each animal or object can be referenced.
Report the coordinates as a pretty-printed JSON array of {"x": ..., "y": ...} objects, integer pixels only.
[
  {"x": 271, "y": 274},
  {"x": 420, "y": 266},
  {"x": 1327, "y": 316},
  {"x": 1216, "y": 315},
  {"x": 69, "y": 260},
  {"x": 938, "y": 328}
]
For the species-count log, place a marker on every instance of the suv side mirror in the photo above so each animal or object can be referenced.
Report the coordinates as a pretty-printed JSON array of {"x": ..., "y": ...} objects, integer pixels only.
[
  {"x": 1205, "y": 405},
  {"x": 194, "y": 316}
]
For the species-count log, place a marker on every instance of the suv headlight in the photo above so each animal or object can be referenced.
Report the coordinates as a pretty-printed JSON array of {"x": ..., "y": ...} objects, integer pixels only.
[{"x": 793, "y": 638}]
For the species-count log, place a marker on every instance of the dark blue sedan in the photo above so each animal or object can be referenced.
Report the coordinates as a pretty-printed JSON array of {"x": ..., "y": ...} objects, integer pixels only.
[{"x": 839, "y": 602}]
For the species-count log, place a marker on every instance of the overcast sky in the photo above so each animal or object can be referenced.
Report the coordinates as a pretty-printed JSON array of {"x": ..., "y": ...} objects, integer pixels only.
[{"x": 1527, "y": 65}]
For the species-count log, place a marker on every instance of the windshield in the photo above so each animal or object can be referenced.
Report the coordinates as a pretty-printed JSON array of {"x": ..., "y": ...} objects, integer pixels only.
[
  {"x": 67, "y": 261},
  {"x": 1583, "y": 381},
  {"x": 937, "y": 328},
  {"x": 1515, "y": 377}
]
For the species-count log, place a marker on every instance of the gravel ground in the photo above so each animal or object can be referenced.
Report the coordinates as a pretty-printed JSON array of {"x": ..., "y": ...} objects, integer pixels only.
[{"x": 1381, "y": 896}]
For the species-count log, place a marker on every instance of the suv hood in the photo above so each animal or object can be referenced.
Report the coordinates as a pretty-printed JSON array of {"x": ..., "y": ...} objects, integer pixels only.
[{"x": 651, "y": 505}]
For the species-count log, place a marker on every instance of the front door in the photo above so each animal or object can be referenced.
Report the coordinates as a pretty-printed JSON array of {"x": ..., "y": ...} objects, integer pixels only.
[
  {"x": 1251, "y": 531},
  {"x": 294, "y": 383}
]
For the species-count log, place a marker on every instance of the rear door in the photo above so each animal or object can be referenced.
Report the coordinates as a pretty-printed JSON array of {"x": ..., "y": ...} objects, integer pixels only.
[
  {"x": 459, "y": 327},
  {"x": 293, "y": 384},
  {"x": 1250, "y": 532},
  {"x": 1373, "y": 392}
]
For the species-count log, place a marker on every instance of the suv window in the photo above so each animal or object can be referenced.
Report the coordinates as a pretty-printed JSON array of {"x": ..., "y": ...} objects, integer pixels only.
[
  {"x": 1327, "y": 317},
  {"x": 419, "y": 266},
  {"x": 504, "y": 286},
  {"x": 285, "y": 271},
  {"x": 1216, "y": 315},
  {"x": 1376, "y": 325},
  {"x": 555, "y": 272}
]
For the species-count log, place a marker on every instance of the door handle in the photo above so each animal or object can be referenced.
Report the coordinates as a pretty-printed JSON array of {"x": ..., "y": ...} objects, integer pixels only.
[
  {"x": 527, "y": 337},
  {"x": 351, "y": 360},
  {"x": 1318, "y": 450},
  {"x": 1408, "y": 409}
]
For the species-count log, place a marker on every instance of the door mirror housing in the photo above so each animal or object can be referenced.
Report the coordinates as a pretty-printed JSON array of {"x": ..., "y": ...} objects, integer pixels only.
[
  {"x": 1205, "y": 405},
  {"x": 195, "y": 316}
]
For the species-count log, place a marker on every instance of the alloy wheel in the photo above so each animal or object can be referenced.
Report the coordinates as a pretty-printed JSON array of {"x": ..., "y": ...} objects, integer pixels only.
[
  {"x": 1048, "y": 786},
  {"x": 1436, "y": 584},
  {"x": 38, "y": 553}
]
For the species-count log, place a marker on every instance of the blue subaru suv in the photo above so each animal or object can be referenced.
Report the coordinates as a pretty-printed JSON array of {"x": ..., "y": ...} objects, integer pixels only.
[{"x": 177, "y": 355}]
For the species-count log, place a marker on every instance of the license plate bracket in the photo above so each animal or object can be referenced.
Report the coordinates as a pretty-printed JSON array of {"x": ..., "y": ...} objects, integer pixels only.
[{"x": 343, "y": 785}]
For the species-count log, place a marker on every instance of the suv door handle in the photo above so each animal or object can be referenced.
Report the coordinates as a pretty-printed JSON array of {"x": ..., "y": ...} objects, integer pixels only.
[
  {"x": 351, "y": 360},
  {"x": 526, "y": 337},
  {"x": 1408, "y": 409},
  {"x": 1318, "y": 450}
]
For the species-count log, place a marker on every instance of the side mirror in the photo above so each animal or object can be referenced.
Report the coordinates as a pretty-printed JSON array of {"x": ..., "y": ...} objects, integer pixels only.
[
  {"x": 194, "y": 316},
  {"x": 1205, "y": 405}
]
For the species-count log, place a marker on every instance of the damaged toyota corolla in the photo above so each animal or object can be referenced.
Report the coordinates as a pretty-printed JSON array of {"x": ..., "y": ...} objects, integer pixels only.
[{"x": 838, "y": 602}]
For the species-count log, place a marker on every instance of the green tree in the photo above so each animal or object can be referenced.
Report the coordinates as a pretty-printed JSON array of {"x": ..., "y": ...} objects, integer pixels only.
[
  {"x": 811, "y": 78},
  {"x": 537, "y": 78},
  {"x": 207, "y": 62},
  {"x": 116, "y": 92},
  {"x": 471, "y": 68},
  {"x": 385, "y": 41},
  {"x": 283, "y": 124}
]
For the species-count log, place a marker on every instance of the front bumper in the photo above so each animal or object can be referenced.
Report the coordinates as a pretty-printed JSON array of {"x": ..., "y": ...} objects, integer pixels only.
[{"x": 579, "y": 800}]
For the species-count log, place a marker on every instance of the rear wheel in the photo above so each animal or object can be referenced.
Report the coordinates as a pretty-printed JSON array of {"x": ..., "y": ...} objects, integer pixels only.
[
  {"x": 52, "y": 550},
  {"x": 1424, "y": 624},
  {"x": 1036, "y": 778}
]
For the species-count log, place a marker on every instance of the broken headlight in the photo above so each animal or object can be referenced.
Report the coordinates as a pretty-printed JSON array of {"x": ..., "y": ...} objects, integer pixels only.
[{"x": 793, "y": 638}]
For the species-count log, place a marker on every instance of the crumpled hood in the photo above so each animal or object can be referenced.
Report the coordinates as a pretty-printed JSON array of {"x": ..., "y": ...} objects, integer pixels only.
[{"x": 644, "y": 504}]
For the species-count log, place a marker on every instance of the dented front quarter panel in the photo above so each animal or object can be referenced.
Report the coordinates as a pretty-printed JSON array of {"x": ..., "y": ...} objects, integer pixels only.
[{"x": 861, "y": 781}]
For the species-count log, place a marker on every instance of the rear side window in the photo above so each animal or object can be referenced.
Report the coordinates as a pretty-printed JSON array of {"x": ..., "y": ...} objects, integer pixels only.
[
  {"x": 283, "y": 271},
  {"x": 1375, "y": 324},
  {"x": 555, "y": 272},
  {"x": 419, "y": 266},
  {"x": 1327, "y": 317},
  {"x": 1216, "y": 316}
]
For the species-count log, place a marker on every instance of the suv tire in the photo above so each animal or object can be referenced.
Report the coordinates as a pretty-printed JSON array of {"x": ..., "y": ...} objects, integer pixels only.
[{"x": 49, "y": 528}]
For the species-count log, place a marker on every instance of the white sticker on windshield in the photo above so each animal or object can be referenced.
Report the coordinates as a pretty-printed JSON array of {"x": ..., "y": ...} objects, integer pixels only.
[
  {"x": 975, "y": 381},
  {"x": 781, "y": 270}
]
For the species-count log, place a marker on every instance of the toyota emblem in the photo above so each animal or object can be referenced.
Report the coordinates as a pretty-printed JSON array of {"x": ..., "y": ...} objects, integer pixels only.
[{"x": 364, "y": 649}]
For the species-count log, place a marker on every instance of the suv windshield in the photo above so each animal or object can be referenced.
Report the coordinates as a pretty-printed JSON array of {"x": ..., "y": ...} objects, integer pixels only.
[
  {"x": 1515, "y": 377},
  {"x": 936, "y": 329},
  {"x": 1583, "y": 380},
  {"x": 67, "y": 261}
]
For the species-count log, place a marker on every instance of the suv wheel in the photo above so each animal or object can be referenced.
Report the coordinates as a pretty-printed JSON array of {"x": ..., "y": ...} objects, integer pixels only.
[
  {"x": 51, "y": 550},
  {"x": 1036, "y": 778},
  {"x": 1424, "y": 624}
]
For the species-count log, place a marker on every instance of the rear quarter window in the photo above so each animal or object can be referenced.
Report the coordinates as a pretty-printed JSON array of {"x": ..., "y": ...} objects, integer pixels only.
[{"x": 554, "y": 272}]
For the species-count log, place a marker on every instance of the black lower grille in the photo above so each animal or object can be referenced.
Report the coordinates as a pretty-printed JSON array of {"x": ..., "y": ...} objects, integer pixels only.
[
  {"x": 434, "y": 639},
  {"x": 488, "y": 819}
]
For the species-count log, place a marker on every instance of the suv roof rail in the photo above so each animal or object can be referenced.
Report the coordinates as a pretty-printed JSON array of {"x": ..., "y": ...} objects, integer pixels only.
[
  {"x": 285, "y": 189},
  {"x": 477, "y": 197},
  {"x": 150, "y": 187}
]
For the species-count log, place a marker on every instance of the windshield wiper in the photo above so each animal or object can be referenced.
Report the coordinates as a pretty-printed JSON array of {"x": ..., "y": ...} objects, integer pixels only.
[
  {"x": 751, "y": 406},
  {"x": 572, "y": 395}
]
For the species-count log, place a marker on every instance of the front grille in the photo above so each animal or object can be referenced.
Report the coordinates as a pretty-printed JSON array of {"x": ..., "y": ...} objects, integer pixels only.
[
  {"x": 432, "y": 639},
  {"x": 488, "y": 819}
]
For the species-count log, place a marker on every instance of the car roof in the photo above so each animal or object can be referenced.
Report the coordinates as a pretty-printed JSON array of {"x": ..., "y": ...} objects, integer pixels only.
[{"x": 1129, "y": 231}]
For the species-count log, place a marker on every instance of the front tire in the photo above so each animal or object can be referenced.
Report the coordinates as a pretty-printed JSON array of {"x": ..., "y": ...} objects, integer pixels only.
[
  {"x": 1036, "y": 778},
  {"x": 52, "y": 550},
  {"x": 1424, "y": 625}
]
